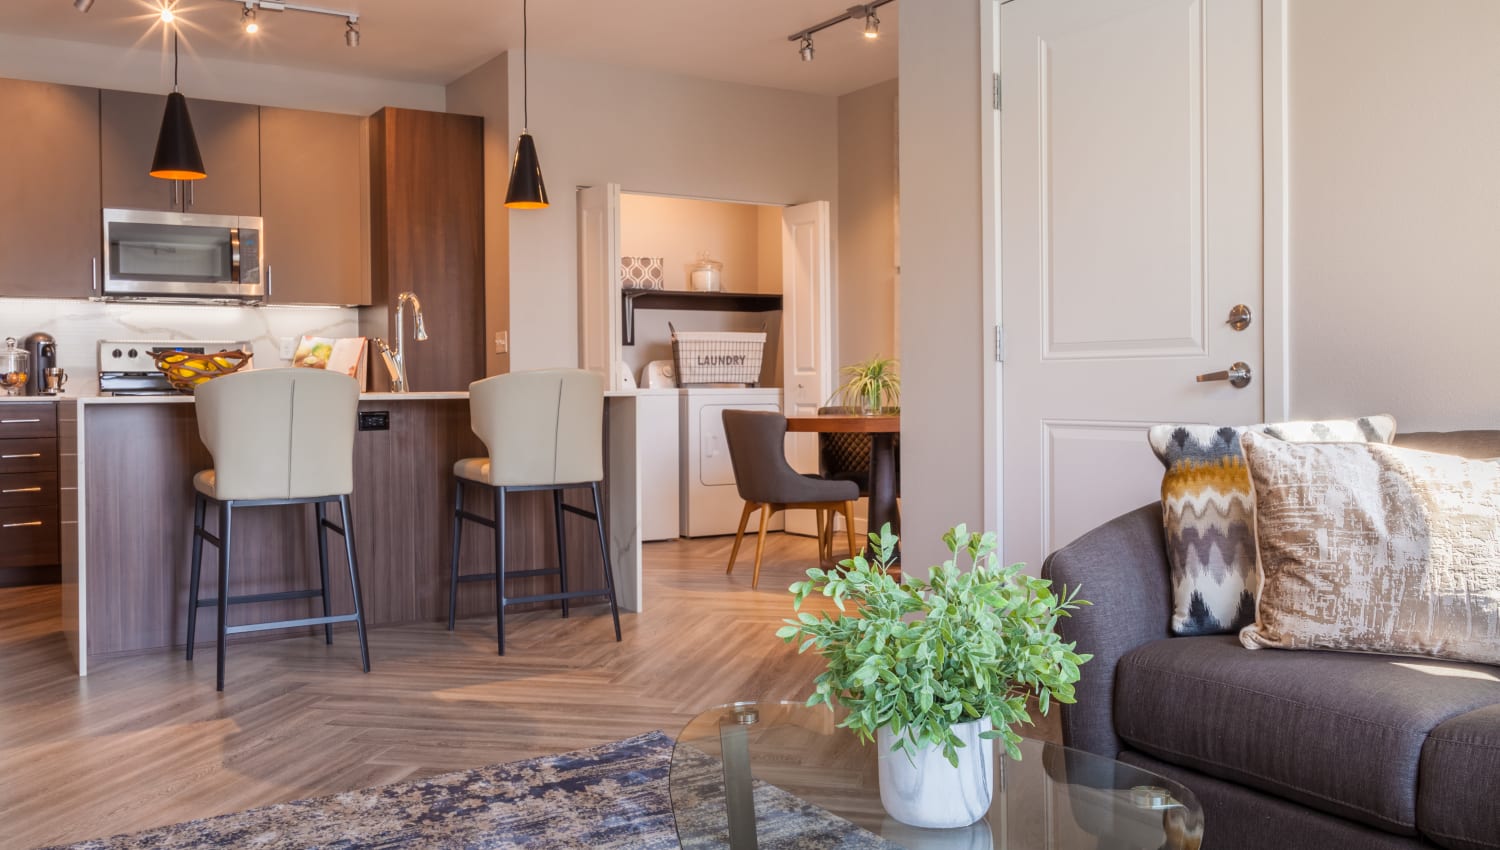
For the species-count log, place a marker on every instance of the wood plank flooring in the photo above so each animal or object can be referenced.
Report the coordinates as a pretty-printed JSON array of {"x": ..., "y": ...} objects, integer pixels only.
[{"x": 145, "y": 740}]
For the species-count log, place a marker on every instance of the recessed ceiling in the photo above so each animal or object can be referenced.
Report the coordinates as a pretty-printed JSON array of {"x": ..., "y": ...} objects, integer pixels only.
[{"x": 436, "y": 41}]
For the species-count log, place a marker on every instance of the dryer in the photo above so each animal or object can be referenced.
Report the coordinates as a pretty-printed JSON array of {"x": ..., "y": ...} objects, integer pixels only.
[{"x": 710, "y": 503}]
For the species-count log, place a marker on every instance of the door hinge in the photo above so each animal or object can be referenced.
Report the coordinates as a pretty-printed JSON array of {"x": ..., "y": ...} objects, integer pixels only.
[
  {"x": 997, "y": 92},
  {"x": 999, "y": 344}
]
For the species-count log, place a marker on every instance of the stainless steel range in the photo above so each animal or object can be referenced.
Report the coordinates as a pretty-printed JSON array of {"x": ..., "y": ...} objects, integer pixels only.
[{"x": 126, "y": 366}]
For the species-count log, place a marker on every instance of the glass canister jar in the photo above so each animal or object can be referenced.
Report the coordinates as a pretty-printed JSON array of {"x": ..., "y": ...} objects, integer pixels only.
[
  {"x": 15, "y": 368},
  {"x": 706, "y": 274}
]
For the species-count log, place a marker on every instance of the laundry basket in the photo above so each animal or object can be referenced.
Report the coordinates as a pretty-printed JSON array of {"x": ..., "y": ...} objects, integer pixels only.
[{"x": 718, "y": 357}]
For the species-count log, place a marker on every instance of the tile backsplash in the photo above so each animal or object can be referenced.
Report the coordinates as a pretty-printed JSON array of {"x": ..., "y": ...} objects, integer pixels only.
[{"x": 79, "y": 325}]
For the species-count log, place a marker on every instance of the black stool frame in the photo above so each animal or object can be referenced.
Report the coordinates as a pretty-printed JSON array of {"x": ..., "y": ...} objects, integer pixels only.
[
  {"x": 222, "y": 542},
  {"x": 559, "y": 509}
]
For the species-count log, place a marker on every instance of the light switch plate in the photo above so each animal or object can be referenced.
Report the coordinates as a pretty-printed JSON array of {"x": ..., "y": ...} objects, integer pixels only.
[
  {"x": 288, "y": 347},
  {"x": 502, "y": 342}
]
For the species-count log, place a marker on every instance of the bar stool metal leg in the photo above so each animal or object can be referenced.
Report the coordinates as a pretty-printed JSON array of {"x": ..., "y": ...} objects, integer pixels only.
[
  {"x": 199, "y": 508},
  {"x": 609, "y": 572},
  {"x": 226, "y": 511},
  {"x": 458, "y": 532},
  {"x": 500, "y": 566},
  {"x": 562, "y": 550},
  {"x": 347, "y": 516},
  {"x": 322, "y": 531}
]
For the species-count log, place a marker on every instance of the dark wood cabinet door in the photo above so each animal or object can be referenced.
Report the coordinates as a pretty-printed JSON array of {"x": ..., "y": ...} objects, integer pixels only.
[
  {"x": 50, "y": 225},
  {"x": 311, "y": 185},
  {"x": 228, "y": 136}
]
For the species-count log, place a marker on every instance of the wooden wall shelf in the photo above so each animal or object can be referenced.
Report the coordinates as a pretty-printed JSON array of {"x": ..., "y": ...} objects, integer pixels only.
[{"x": 677, "y": 299}]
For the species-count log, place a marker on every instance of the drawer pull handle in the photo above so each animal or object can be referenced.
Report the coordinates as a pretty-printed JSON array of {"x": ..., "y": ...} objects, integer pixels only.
[
  {"x": 14, "y": 457},
  {"x": 33, "y": 524},
  {"x": 21, "y": 490},
  {"x": 19, "y": 421}
]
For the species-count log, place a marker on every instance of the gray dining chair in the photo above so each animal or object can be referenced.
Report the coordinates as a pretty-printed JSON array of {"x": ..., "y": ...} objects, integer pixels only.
[
  {"x": 544, "y": 431},
  {"x": 757, "y": 451},
  {"x": 277, "y": 437}
]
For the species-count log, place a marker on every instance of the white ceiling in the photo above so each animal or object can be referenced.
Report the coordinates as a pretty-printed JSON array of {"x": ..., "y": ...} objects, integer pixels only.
[{"x": 436, "y": 41}]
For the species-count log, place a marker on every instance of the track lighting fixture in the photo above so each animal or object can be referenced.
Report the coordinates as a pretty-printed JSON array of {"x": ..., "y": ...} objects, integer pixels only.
[
  {"x": 247, "y": 20},
  {"x": 83, "y": 5},
  {"x": 865, "y": 13},
  {"x": 250, "y": 25},
  {"x": 351, "y": 32}
]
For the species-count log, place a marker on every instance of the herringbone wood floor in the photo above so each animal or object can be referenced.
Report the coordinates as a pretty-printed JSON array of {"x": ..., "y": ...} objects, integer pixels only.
[{"x": 146, "y": 741}]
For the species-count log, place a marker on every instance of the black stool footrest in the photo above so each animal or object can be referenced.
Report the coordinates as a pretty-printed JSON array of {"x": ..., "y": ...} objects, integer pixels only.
[
  {"x": 548, "y": 597},
  {"x": 264, "y": 597},
  {"x": 510, "y": 574},
  {"x": 290, "y": 624}
]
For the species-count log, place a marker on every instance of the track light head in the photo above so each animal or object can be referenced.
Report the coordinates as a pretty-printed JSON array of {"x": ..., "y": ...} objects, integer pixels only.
[
  {"x": 872, "y": 25},
  {"x": 351, "y": 33},
  {"x": 807, "y": 48},
  {"x": 83, "y": 5},
  {"x": 247, "y": 20}
]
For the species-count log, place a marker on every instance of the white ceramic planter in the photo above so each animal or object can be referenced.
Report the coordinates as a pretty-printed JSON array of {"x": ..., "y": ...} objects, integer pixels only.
[{"x": 925, "y": 790}]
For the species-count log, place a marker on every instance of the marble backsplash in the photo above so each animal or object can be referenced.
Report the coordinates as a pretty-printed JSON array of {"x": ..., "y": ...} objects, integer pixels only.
[{"x": 79, "y": 325}]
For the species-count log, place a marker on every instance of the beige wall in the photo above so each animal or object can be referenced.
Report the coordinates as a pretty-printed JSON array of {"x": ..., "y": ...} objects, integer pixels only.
[
  {"x": 102, "y": 66},
  {"x": 941, "y": 315},
  {"x": 866, "y": 316},
  {"x": 485, "y": 92},
  {"x": 678, "y": 229},
  {"x": 1395, "y": 207},
  {"x": 649, "y": 132}
]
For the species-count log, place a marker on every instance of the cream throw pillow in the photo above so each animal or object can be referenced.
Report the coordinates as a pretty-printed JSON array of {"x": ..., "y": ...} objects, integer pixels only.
[{"x": 1373, "y": 548}]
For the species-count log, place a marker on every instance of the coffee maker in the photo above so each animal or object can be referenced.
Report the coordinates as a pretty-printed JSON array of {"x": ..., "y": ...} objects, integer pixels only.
[{"x": 43, "y": 349}]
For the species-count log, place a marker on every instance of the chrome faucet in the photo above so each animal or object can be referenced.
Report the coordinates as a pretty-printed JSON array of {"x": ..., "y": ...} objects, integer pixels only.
[{"x": 396, "y": 363}]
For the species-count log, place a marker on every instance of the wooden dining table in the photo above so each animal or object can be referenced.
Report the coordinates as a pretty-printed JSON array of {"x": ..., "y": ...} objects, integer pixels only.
[{"x": 882, "y": 428}]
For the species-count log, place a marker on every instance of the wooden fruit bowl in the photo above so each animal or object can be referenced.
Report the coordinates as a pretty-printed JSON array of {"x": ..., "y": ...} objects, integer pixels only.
[{"x": 186, "y": 371}]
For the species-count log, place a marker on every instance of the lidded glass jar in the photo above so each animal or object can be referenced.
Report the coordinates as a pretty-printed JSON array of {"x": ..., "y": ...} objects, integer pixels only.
[
  {"x": 15, "y": 368},
  {"x": 705, "y": 276}
]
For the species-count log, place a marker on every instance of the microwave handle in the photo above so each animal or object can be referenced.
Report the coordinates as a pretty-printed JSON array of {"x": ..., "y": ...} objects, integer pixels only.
[
  {"x": 234, "y": 254},
  {"x": 174, "y": 192}
]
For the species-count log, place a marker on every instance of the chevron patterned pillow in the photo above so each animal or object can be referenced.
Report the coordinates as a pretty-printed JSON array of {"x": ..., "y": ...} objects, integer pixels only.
[{"x": 1207, "y": 511}]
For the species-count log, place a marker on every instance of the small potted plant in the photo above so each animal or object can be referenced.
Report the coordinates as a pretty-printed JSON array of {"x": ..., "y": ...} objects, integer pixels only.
[
  {"x": 871, "y": 387},
  {"x": 936, "y": 670}
]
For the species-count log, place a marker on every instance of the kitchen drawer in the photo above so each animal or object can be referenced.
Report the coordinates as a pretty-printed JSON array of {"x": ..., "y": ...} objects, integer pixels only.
[
  {"x": 28, "y": 419},
  {"x": 29, "y": 536},
  {"x": 28, "y": 455},
  {"x": 28, "y": 489}
]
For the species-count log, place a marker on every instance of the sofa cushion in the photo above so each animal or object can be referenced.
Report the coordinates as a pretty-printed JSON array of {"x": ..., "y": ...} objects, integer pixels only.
[
  {"x": 1338, "y": 732},
  {"x": 1460, "y": 776}
]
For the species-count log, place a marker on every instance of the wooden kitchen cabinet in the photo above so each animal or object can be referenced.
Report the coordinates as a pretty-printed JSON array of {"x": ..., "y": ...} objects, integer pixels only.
[
  {"x": 30, "y": 532},
  {"x": 312, "y": 198},
  {"x": 228, "y": 137},
  {"x": 50, "y": 224}
]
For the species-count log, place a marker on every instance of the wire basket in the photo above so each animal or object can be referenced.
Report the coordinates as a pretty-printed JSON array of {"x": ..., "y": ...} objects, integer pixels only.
[{"x": 718, "y": 357}]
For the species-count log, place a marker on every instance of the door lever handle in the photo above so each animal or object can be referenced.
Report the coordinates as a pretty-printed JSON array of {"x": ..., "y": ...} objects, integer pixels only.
[{"x": 1237, "y": 375}]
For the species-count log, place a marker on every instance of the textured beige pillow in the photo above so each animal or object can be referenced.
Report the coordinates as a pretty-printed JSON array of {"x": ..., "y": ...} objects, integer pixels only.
[{"x": 1374, "y": 548}]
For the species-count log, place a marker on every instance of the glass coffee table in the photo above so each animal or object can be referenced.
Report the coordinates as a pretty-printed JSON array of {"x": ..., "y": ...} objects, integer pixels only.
[{"x": 758, "y": 776}]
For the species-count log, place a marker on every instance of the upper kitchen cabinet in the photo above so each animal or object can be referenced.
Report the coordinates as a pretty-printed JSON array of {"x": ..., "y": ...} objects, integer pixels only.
[
  {"x": 50, "y": 224},
  {"x": 312, "y": 199},
  {"x": 427, "y": 236},
  {"x": 228, "y": 136}
]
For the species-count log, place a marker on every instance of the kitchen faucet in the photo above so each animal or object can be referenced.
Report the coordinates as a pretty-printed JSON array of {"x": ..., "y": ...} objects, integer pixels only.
[{"x": 395, "y": 362}]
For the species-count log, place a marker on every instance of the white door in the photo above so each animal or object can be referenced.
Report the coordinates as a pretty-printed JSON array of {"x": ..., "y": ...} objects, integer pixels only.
[
  {"x": 806, "y": 332},
  {"x": 599, "y": 281},
  {"x": 1130, "y": 150}
]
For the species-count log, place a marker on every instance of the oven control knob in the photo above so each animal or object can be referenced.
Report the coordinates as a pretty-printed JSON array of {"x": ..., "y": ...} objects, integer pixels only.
[
  {"x": 115, "y": 354},
  {"x": 134, "y": 354}
]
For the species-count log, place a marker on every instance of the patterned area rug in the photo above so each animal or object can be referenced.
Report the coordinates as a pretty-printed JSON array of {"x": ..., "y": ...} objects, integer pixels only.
[{"x": 610, "y": 797}]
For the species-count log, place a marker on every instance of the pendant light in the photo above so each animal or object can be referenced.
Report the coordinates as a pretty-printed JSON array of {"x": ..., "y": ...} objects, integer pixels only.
[
  {"x": 177, "y": 156},
  {"x": 526, "y": 191}
]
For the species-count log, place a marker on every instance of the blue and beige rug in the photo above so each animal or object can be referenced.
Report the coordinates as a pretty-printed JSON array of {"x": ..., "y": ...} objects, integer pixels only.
[{"x": 611, "y": 797}]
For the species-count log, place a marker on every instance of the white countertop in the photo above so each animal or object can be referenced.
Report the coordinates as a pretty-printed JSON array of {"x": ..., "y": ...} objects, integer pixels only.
[{"x": 92, "y": 398}]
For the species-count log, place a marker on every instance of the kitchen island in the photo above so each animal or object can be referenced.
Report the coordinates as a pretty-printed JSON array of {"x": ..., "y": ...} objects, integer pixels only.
[{"x": 127, "y": 468}]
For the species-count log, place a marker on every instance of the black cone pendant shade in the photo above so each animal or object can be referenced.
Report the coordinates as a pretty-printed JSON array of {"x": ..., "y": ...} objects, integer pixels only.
[
  {"x": 177, "y": 156},
  {"x": 527, "y": 190}
]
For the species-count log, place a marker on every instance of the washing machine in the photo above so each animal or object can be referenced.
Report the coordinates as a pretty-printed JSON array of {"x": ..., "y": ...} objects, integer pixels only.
[{"x": 710, "y": 503}]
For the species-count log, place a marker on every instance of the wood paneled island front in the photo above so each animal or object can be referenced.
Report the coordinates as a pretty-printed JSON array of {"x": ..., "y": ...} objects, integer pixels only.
[{"x": 128, "y": 509}]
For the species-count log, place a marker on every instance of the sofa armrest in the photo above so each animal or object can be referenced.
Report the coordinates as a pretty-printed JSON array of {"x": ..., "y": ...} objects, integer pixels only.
[{"x": 1121, "y": 567}]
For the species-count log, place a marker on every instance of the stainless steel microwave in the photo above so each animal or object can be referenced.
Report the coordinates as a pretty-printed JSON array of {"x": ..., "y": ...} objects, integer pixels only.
[{"x": 171, "y": 256}]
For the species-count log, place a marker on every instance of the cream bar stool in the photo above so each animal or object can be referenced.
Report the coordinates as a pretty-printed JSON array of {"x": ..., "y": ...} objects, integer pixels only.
[
  {"x": 544, "y": 431},
  {"x": 278, "y": 437}
]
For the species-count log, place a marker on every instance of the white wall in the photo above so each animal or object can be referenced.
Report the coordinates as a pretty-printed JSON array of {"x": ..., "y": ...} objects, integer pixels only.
[
  {"x": 941, "y": 315},
  {"x": 867, "y": 223},
  {"x": 650, "y": 132},
  {"x": 678, "y": 229},
  {"x": 1395, "y": 210},
  {"x": 102, "y": 66}
]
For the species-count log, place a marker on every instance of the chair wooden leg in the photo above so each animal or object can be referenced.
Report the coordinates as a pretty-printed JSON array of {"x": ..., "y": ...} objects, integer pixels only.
[
  {"x": 760, "y": 544},
  {"x": 822, "y": 538},
  {"x": 740, "y": 535},
  {"x": 849, "y": 526}
]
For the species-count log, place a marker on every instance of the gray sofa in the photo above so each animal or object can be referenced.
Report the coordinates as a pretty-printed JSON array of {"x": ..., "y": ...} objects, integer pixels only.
[{"x": 1283, "y": 749}]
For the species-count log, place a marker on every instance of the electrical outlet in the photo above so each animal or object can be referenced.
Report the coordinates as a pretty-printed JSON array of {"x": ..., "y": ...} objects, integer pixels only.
[
  {"x": 288, "y": 347},
  {"x": 374, "y": 420},
  {"x": 502, "y": 342}
]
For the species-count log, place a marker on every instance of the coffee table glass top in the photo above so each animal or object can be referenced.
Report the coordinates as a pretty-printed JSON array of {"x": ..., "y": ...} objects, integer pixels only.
[{"x": 782, "y": 775}]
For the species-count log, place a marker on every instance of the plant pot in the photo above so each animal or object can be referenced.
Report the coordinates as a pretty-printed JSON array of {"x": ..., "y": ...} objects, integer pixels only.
[{"x": 924, "y": 790}]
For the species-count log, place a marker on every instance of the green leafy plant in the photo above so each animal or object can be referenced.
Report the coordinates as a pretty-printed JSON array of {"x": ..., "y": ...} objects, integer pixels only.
[
  {"x": 872, "y": 385},
  {"x": 922, "y": 656}
]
